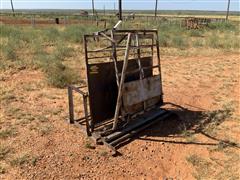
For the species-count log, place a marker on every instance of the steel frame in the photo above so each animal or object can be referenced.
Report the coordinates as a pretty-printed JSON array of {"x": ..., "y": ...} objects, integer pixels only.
[{"x": 112, "y": 132}]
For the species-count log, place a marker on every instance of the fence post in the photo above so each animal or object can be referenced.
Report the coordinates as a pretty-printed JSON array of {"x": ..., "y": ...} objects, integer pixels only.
[{"x": 33, "y": 20}]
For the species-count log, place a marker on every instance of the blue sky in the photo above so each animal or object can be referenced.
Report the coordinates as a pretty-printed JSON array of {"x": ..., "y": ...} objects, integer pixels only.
[{"x": 217, "y": 5}]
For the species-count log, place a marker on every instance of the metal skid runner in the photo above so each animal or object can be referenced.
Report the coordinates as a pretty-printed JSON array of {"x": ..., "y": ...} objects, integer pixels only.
[{"x": 123, "y": 95}]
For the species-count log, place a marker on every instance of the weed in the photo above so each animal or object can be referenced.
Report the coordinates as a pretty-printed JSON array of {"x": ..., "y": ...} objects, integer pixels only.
[
  {"x": 214, "y": 118},
  {"x": 4, "y": 151},
  {"x": 196, "y": 33},
  {"x": 179, "y": 42},
  {"x": 202, "y": 166},
  {"x": 2, "y": 169},
  {"x": 63, "y": 51},
  {"x": 88, "y": 145},
  {"x": 21, "y": 160},
  {"x": 75, "y": 33},
  {"x": 9, "y": 51},
  {"x": 164, "y": 40},
  {"x": 5, "y": 133},
  {"x": 222, "y": 26},
  {"x": 45, "y": 129},
  {"x": 104, "y": 153},
  {"x": 198, "y": 43},
  {"x": 7, "y": 97},
  {"x": 51, "y": 35},
  {"x": 34, "y": 161}
]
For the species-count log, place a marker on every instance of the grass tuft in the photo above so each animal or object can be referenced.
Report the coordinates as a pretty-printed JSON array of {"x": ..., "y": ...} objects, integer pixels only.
[
  {"x": 21, "y": 160},
  {"x": 5, "y": 133},
  {"x": 2, "y": 169},
  {"x": 4, "y": 151}
]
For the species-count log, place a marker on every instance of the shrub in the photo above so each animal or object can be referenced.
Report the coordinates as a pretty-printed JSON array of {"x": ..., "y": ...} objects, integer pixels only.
[
  {"x": 198, "y": 43},
  {"x": 62, "y": 52},
  {"x": 214, "y": 42},
  {"x": 196, "y": 33},
  {"x": 9, "y": 50},
  {"x": 75, "y": 33},
  {"x": 222, "y": 26},
  {"x": 9, "y": 31},
  {"x": 179, "y": 42},
  {"x": 51, "y": 35},
  {"x": 57, "y": 74},
  {"x": 60, "y": 76},
  {"x": 164, "y": 40}
]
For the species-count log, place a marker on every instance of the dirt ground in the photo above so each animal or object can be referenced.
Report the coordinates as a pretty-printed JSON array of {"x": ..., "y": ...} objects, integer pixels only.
[{"x": 37, "y": 143}]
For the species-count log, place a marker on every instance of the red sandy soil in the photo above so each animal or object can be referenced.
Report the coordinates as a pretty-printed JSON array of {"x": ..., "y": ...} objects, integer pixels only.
[{"x": 60, "y": 150}]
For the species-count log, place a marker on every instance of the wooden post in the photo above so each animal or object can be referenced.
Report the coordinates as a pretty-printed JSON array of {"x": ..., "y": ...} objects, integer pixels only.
[{"x": 121, "y": 84}]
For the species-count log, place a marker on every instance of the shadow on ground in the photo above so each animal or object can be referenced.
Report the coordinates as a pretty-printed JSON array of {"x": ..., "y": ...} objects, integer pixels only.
[{"x": 182, "y": 123}]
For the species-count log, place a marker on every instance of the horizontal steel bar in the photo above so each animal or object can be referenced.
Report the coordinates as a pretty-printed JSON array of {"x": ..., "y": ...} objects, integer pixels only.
[
  {"x": 141, "y": 128},
  {"x": 139, "y": 123},
  {"x": 77, "y": 89},
  {"x": 137, "y": 70}
]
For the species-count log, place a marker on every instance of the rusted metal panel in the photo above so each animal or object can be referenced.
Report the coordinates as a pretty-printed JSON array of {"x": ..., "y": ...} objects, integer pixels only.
[
  {"x": 103, "y": 88},
  {"x": 141, "y": 90}
]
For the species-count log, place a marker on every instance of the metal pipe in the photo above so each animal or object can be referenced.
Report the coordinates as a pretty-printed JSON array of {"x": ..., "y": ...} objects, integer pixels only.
[
  {"x": 121, "y": 84},
  {"x": 120, "y": 9}
]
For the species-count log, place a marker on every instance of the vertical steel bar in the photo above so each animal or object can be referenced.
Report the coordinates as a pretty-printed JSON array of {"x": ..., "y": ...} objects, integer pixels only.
[
  {"x": 85, "y": 41},
  {"x": 158, "y": 61},
  {"x": 85, "y": 105},
  {"x": 141, "y": 72},
  {"x": 70, "y": 104},
  {"x": 114, "y": 56},
  {"x": 121, "y": 85}
]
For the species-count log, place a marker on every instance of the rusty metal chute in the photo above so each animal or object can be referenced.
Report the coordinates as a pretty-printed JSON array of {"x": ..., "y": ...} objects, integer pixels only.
[{"x": 124, "y": 85}]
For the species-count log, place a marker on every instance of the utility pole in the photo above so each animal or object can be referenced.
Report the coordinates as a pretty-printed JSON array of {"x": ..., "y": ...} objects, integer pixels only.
[
  {"x": 93, "y": 11},
  {"x": 114, "y": 8},
  {"x": 228, "y": 7},
  {"x": 104, "y": 9},
  {"x": 156, "y": 7},
  {"x": 120, "y": 9},
  {"x": 12, "y": 7}
]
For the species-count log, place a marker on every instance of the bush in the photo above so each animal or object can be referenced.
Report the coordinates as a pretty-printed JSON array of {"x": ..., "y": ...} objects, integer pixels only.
[
  {"x": 164, "y": 40},
  {"x": 62, "y": 52},
  {"x": 196, "y": 33},
  {"x": 60, "y": 76},
  {"x": 9, "y": 31},
  {"x": 222, "y": 26},
  {"x": 198, "y": 43},
  {"x": 179, "y": 42},
  {"x": 51, "y": 35},
  {"x": 214, "y": 42},
  {"x": 9, "y": 50},
  {"x": 57, "y": 74},
  {"x": 75, "y": 33}
]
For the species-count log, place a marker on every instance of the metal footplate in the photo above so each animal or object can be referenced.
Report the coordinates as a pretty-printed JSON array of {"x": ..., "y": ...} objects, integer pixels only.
[{"x": 114, "y": 139}]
